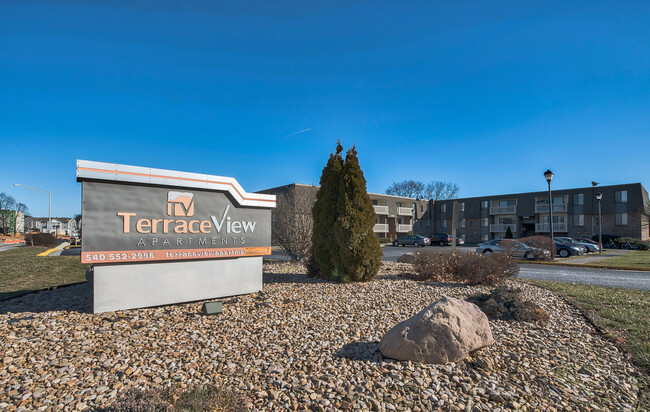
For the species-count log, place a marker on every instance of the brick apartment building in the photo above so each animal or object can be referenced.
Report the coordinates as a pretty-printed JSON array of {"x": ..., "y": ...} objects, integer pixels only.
[
  {"x": 395, "y": 215},
  {"x": 625, "y": 212}
]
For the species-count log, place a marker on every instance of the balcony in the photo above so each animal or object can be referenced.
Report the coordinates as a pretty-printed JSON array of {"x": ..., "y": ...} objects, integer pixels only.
[
  {"x": 503, "y": 210},
  {"x": 380, "y": 210},
  {"x": 380, "y": 227},
  {"x": 405, "y": 211},
  {"x": 557, "y": 207},
  {"x": 404, "y": 228},
  {"x": 544, "y": 227},
  {"x": 502, "y": 228}
]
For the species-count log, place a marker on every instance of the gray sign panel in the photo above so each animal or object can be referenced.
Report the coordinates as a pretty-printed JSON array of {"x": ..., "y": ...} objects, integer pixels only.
[{"x": 137, "y": 223}]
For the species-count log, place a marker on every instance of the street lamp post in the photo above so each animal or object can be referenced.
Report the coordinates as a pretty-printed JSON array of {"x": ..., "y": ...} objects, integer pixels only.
[
  {"x": 549, "y": 176},
  {"x": 49, "y": 194},
  {"x": 599, "y": 197}
]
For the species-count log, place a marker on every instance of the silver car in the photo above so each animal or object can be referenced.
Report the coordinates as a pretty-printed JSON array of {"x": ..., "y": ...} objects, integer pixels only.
[
  {"x": 586, "y": 247},
  {"x": 512, "y": 247}
]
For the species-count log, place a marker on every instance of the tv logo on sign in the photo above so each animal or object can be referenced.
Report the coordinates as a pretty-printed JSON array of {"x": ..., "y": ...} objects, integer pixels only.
[{"x": 180, "y": 204}]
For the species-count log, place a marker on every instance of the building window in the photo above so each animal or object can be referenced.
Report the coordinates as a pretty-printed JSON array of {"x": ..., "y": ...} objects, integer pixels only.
[
  {"x": 461, "y": 206},
  {"x": 621, "y": 218},
  {"x": 443, "y": 223},
  {"x": 374, "y": 202},
  {"x": 461, "y": 223},
  {"x": 471, "y": 223},
  {"x": 443, "y": 208},
  {"x": 578, "y": 220},
  {"x": 484, "y": 237},
  {"x": 484, "y": 204},
  {"x": 484, "y": 222},
  {"x": 428, "y": 223},
  {"x": 578, "y": 199},
  {"x": 621, "y": 197}
]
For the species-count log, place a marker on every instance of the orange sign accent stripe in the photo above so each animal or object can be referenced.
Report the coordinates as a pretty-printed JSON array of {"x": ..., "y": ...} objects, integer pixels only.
[
  {"x": 173, "y": 178},
  {"x": 116, "y": 256}
]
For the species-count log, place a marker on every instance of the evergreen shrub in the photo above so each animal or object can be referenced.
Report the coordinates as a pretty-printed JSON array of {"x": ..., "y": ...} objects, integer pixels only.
[{"x": 345, "y": 246}]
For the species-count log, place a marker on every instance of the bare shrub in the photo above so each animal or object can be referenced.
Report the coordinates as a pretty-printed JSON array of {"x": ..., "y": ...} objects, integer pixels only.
[
  {"x": 539, "y": 245},
  {"x": 135, "y": 400},
  {"x": 193, "y": 399},
  {"x": 209, "y": 398},
  {"x": 436, "y": 267},
  {"x": 40, "y": 239},
  {"x": 506, "y": 303},
  {"x": 475, "y": 269},
  {"x": 469, "y": 268}
]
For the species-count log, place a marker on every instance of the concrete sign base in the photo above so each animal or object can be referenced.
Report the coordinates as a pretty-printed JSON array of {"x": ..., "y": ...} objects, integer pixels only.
[{"x": 128, "y": 286}]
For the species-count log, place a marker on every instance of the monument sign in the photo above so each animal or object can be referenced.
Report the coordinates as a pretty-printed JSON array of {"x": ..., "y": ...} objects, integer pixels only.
[{"x": 157, "y": 236}]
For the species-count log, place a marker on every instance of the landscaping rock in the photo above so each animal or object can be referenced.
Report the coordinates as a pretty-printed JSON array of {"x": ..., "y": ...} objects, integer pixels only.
[{"x": 446, "y": 331}]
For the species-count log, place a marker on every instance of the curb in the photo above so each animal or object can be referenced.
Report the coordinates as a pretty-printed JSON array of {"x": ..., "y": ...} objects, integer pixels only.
[
  {"x": 587, "y": 265},
  {"x": 29, "y": 292}
]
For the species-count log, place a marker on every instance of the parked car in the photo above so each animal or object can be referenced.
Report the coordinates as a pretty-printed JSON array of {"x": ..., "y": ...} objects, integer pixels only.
[
  {"x": 583, "y": 240},
  {"x": 441, "y": 239},
  {"x": 565, "y": 250},
  {"x": 460, "y": 241},
  {"x": 587, "y": 247},
  {"x": 415, "y": 240},
  {"x": 514, "y": 247}
]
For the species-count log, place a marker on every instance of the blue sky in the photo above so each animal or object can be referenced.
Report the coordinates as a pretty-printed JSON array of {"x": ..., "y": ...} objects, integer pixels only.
[{"x": 484, "y": 94}]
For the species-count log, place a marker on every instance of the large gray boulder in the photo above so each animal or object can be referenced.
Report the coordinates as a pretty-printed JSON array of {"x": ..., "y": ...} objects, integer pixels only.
[{"x": 445, "y": 331}]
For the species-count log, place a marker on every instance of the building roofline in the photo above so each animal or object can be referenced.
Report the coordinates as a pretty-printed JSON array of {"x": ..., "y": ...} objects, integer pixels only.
[
  {"x": 305, "y": 185},
  {"x": 545, "y": 191}
]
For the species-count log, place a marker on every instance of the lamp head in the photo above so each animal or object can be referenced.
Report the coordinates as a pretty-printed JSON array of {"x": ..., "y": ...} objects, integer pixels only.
[
  {"x": 548, "y": 175},
  {"x": 599, "y": 196},
  {"x": 594, "y": 184}
]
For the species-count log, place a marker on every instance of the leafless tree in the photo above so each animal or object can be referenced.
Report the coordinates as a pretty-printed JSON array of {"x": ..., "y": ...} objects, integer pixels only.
[
  {"x": 293, "y": 223},
  {"x": 407, "y": 188},
  {"x": 436, "y": 190},
  {"x": 439, "y": 190},
  {"x": 7, "y": 208}
]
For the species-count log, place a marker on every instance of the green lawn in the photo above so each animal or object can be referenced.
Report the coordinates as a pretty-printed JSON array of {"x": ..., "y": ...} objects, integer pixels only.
[
  {"x": 22, "y": 271},
  {"x": 623, "y": 313},
  {"x": 635, "y": 258}
]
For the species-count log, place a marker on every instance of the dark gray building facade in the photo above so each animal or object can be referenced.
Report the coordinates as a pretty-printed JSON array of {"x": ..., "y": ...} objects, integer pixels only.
[{"x": 625, "y": 212}]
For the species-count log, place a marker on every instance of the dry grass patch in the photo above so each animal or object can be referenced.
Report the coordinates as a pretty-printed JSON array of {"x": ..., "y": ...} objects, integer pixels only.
[{"x": 21, "y": 270}]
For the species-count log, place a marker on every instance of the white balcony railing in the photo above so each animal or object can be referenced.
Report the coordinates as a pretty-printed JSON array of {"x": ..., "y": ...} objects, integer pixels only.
[
  {"x": 380, "y": 228},
  {"x": 544, "y": 227},
  {"x": 380, "y": 210},
  {"x": 404, "y": 228},
  {"x": 503, "y": 210},
  {"x": 405, "y": 211},
  {"x": 502, "y": 228},
  {"x": 557, "y": 207}
]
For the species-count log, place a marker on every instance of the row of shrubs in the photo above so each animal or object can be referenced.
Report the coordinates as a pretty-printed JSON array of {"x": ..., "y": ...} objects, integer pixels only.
[
  {"x": 40, "y": 239},
  {"x": 469, "y": 268}
]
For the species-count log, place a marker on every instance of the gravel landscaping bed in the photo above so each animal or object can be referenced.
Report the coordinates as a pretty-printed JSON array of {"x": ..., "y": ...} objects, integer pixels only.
[{"x": 303, "y": 343}]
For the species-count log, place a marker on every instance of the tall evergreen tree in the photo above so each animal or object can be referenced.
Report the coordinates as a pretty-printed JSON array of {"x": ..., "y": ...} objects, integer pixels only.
[
  {"x": 325, "y": 212},
  {"x": 508, "y": 233},
  {"x": 359, "y": 252}
]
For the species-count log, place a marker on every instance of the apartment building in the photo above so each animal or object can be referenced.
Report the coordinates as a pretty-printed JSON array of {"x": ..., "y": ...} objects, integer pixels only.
[
  {"x": 395, "y": 215},
  {"x": 625, "y": 212}
]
